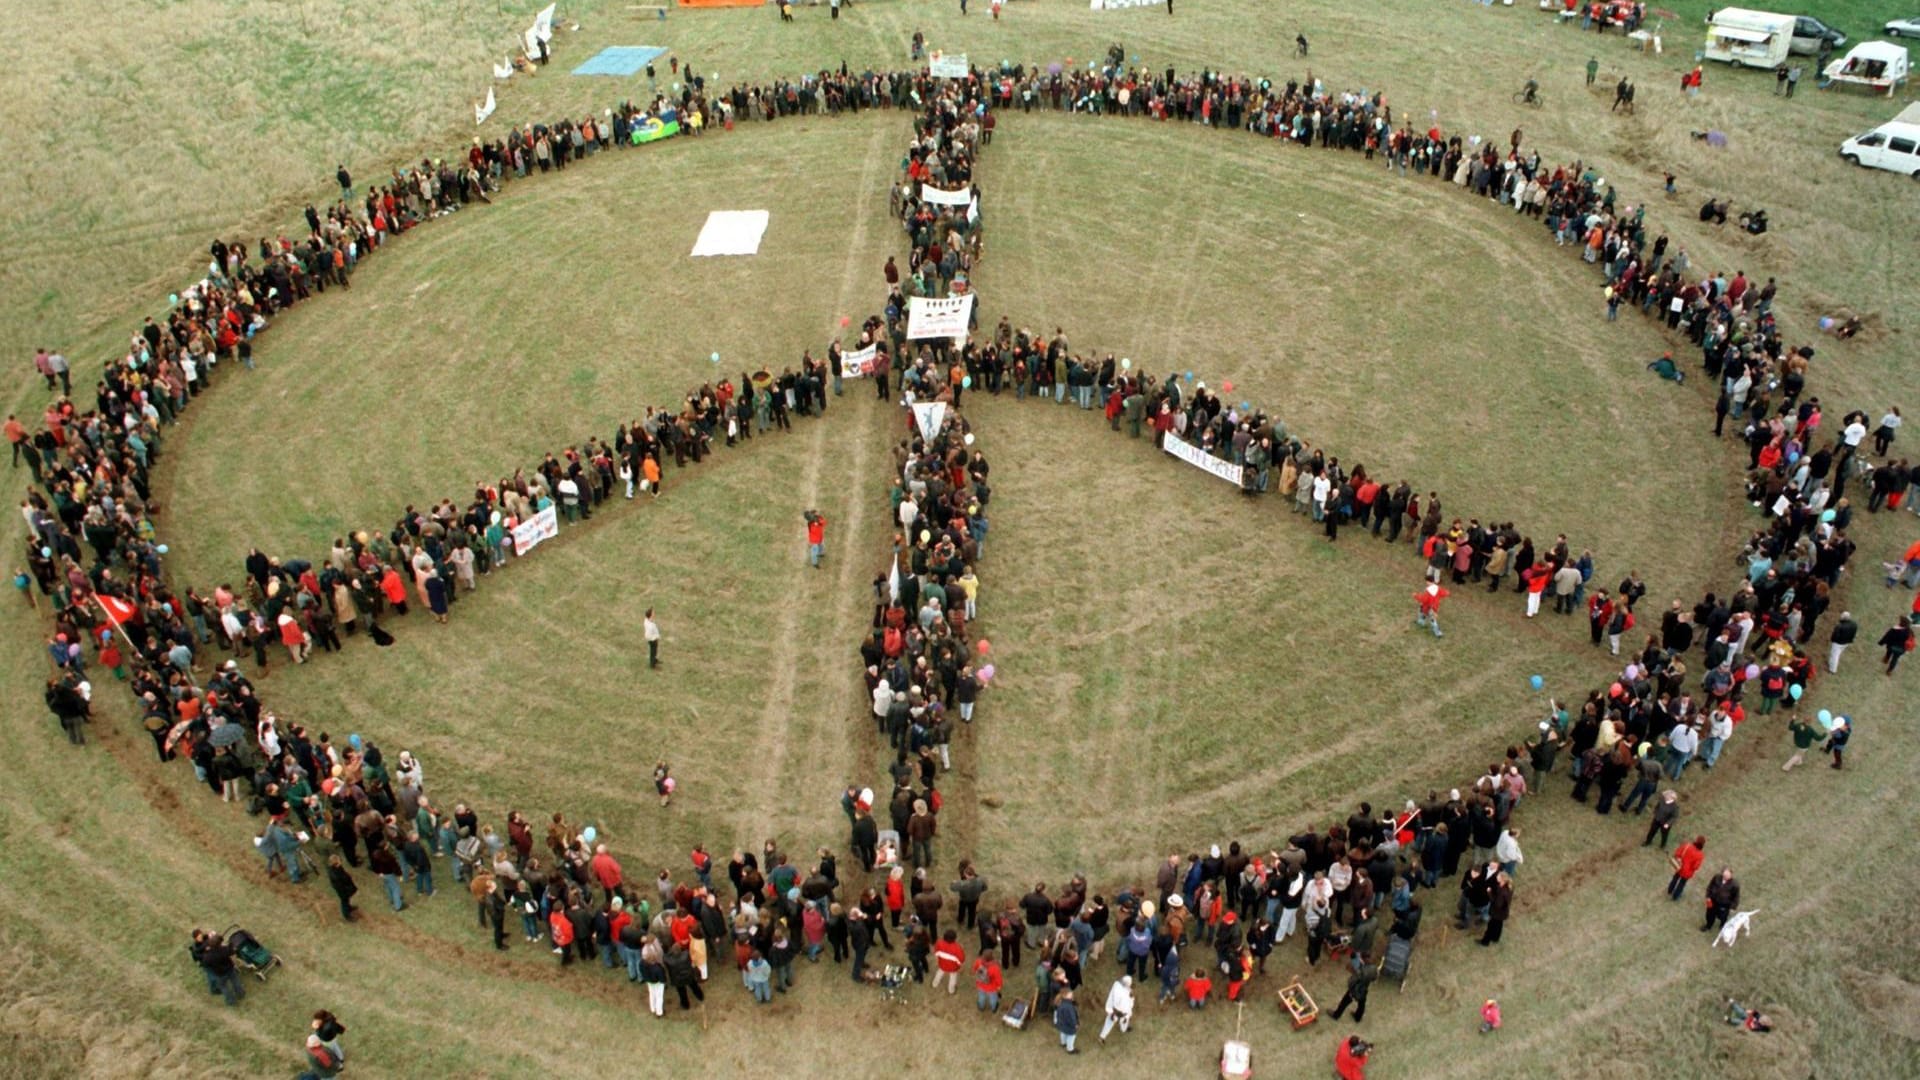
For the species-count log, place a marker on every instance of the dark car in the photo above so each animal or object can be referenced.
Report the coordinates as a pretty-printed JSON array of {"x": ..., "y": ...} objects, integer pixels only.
[{"x": 1809, "y": 33}]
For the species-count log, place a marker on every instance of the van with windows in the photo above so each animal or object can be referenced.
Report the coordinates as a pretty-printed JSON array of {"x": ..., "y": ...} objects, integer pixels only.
[{"x": 1893, "y": 146}]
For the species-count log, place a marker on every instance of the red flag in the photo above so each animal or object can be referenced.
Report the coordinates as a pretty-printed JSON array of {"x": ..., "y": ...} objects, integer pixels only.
[{"x": 118, "y": 610}]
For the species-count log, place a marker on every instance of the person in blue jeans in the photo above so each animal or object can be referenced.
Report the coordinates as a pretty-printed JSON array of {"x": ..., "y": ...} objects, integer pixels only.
[
  {"x": 216, "y": 956},
  {"x": 382, "y": 861},
  {"x": 759, "y": 978}
]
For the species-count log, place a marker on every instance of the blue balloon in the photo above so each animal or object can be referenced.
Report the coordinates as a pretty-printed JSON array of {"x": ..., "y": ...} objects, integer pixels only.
[
  {"x": 1536, "y": 682},
  {"x": 1189, "y": 376},
  {"x": 1826, "y": 718},
  {"x": 1795, "y": 691},
  {"x": 1246, "y": 406}
]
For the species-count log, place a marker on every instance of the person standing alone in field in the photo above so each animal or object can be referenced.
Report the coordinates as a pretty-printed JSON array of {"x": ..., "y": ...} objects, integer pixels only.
[
  {"x": 816, "y": 537},
  {"x": 652, "y": 630}
]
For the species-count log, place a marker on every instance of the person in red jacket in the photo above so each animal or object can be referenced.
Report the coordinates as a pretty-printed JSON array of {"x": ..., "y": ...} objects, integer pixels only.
[
  {"x": 987, "y": 982},
  {"x": 949, "y": 955},
  {"x": 1686, "y": 862},
  {"x": 562, "y": 929},
  {"x": 394, "y": 589},
  {"x": 1350, "y": 1058},
  {"x": 816, "y": 537},
  {"x": 606, "y": 870},
  {"x": 1428, "y": 600},
  {"x": 1536, "y": 578}
]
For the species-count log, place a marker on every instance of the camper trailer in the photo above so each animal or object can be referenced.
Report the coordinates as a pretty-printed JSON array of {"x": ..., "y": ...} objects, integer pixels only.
[
  {"x": 1745, "y": 38},
  {"x": 1893, "y": 146}
]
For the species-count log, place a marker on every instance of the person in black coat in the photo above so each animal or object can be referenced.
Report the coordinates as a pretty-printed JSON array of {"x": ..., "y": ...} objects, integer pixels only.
[
  {"x": 1498, "y": 908},
  {"x": 343, "y": 886}
]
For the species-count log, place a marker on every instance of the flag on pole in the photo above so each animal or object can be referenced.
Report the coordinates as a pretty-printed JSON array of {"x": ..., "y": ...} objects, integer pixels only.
[{"x": 118, "y": 611}]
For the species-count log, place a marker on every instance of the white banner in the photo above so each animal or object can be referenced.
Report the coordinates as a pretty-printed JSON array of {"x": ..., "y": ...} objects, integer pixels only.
[
  {"x": 860, "y": 363},
  {"x": 929, "y": 318},
  {"x": 929, "y": 415},
  {"x": 481, "y": 112},
  {"x": 973, "y": 211},
  {"x": 943, "y": 197},
  {"x": 1116, "y": 5},
  {"x": 942, "y": 66},
  {"x": 1200, "y": 459},
  {"x": 544, "y": 525}
]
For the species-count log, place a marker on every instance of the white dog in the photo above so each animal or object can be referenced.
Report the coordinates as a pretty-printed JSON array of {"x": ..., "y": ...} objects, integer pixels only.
[{"x": 1734, "y": 927}]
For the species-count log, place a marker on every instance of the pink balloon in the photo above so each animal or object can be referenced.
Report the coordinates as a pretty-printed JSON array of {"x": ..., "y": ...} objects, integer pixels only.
[
  {"x": 986, "y": 674},
  {"x": 1753, "y": 670}
]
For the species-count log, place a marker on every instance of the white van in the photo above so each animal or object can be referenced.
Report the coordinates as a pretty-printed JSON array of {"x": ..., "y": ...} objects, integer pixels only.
[
  {"x": 1745, "y": 38},
  {"x": 1893, "y": 146}
]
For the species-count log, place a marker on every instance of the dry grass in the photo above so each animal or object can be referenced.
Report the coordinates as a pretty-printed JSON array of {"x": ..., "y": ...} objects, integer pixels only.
[{"x": 1178, "y": 665}]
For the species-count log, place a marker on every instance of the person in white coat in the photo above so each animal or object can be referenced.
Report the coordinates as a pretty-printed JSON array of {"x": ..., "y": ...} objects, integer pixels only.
[{"x": 1119, "y": 1007}]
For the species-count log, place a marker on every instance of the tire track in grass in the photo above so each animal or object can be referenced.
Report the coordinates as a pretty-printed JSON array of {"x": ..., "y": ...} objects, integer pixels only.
[{"x": 777, "y": 717}]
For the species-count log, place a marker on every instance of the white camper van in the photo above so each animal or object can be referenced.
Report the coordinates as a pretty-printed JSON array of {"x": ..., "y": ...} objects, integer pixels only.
[
  {"x": 1745, "y": 38},
  {"x": 1893, "y": 146}
]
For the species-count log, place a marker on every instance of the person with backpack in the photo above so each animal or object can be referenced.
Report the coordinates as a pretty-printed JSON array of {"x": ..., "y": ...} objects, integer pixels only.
[{"x": 324, "y": 1061}]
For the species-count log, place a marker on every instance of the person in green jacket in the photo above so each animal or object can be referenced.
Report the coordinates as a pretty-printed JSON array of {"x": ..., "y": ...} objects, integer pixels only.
[
  {"x": 1593, "y": 69},
  {"x": 1804, "y": 736}
]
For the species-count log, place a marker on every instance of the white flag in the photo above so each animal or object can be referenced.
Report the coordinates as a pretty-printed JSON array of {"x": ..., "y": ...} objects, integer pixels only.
[
  {"x": 481, "y": 112},
  {"x": 929, "y": 414},
  {"x": 893, "y": 581},
  {"x": 503, "y": 69}
]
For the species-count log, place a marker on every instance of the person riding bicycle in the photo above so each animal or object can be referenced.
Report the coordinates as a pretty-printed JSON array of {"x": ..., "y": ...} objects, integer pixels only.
[{"x": 1531, "y": 95}]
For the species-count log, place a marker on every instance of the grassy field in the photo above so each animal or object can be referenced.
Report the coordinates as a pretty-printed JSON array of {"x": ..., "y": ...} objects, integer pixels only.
[{"x": 1179, "y": 665}]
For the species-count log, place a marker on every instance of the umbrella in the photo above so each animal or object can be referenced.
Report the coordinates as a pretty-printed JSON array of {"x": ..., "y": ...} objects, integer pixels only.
[{"x": 226, "y": 735}]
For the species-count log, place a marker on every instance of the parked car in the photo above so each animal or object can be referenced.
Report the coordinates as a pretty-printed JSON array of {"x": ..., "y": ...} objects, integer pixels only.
[
  {"x": 1904, "y": 27},
  {"x": 1809, "y": 32}
]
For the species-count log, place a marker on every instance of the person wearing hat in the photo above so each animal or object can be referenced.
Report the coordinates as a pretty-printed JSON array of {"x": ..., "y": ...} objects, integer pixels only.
[{"x": 1837, "y": 739}]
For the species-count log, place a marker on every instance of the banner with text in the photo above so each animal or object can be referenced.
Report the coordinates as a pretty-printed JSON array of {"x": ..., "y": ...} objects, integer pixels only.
[
  {"x": 947, "y": 318},
  {"x": 947, "y": 65},
  {"x": 1200, "y": 459},
  {"x": 943, "y": 197},
  {"x": 860, "y": 363},
  {"x": 544, "y": 525}
]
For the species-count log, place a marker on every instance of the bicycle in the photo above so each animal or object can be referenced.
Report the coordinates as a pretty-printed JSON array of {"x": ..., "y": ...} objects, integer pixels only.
[{"x": 1535, "y": 98}]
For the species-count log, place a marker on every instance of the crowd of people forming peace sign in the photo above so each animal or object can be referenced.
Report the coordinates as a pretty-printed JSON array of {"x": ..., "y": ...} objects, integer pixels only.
[{"x": 95, "y": 556}]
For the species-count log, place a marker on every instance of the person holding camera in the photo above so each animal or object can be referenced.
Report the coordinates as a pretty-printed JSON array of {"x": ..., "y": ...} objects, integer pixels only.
[{"x": 1350, "y": 1058}]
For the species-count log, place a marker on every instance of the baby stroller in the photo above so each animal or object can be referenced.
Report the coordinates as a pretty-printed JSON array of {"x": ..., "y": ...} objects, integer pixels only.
[
  {"x": 249, "y": 954},
  {"x": 1399, "y": 956}
]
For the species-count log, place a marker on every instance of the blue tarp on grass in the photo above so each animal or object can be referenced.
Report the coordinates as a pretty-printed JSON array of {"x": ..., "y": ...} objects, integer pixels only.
[{"x": 620, "y": 60}]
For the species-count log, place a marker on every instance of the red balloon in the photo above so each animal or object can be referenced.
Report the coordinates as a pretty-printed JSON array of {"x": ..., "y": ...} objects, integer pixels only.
[{"x": 985, "y": 646}]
